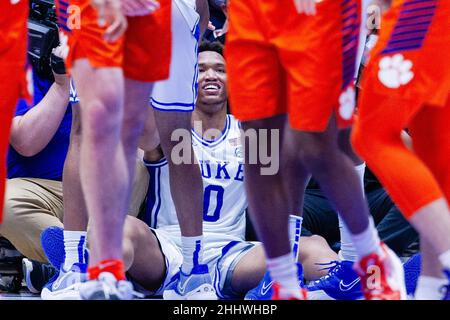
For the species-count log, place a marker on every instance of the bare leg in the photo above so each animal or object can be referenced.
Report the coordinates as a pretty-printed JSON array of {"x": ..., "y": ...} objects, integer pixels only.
[
  {"x": 137, "y": 96},
  {"x": 336, "y": 175},
  {"x": 140, "y": 247},
  {"x": 269, "y": 213},
  {"x": 103, "y": 171},
  {"x": 75, "y": 212},
  {"x": 186, "y": 183}
]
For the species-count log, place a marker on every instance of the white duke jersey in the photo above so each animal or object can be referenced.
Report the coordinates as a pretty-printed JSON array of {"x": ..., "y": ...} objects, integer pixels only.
[{"x": 222, "y": 170}]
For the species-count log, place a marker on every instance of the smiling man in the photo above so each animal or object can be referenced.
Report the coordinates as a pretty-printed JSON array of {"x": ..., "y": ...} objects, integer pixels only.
[{"x": 235, "y": 265}]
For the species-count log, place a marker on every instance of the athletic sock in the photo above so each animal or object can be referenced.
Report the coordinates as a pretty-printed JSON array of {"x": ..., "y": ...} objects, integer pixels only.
[
  {"x": 348, "y": 251},
  {"x": 295, "y": 229},
  {"x": 113, "y": 266},
  {"x": 74, "y": 248},
  {"x": 192, "y": 249},
  {"x": 367, "y": 242},
  {"x": 283, "y": 271},
  {"x": 429, "y": 288}
]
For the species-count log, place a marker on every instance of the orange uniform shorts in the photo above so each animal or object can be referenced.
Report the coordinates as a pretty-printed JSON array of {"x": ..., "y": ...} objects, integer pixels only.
[
  {"x": 143, "y": 52},
  {"x": 282, "y": 62}
]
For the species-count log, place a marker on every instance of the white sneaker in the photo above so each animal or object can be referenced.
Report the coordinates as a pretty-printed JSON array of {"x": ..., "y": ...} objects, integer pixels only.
[
  {"x": 194, "y": 286},
  {"x": 107, "y": 287},
  {"x": 65, "y": 285}
]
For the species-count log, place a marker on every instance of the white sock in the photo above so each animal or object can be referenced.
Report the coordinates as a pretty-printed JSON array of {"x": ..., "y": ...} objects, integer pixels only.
[
  {"x": 283, "y": 270},
  {"x": 360, "y": 170},
  {"x": 192, "y": 248},
  {"x": 428, "y": 288},
  {"x": 295, "y": 229},
  {"x": 348, "y": 251},
  {"x": 74, "y": 247},
  {"x": 367, "y": 242},
  {"x": 444, "y": 258}
]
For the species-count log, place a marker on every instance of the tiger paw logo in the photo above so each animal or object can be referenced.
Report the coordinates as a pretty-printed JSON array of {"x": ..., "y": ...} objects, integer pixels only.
[
  {"x": 347, "y": 103},
  {"x": 395, "y": 71}
]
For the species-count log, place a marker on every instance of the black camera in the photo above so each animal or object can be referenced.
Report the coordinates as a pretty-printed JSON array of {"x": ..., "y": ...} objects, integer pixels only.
[{"x": 42, "y": 35}]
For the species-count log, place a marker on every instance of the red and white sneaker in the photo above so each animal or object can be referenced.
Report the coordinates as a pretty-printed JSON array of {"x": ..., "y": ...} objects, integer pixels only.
[
  {"x": 382, "y": 277},
  {"x": 280, "y": 293}
]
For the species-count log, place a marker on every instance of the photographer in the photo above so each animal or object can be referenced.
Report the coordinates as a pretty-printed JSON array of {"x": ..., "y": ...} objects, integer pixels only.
[{"x": 39, "y": 142}]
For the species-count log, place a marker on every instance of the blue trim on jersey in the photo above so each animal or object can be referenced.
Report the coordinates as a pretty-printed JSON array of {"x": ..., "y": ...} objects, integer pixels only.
[
  {"x": 198, "y": 246},
  {"x": 153, "y": 192},
  {"x": 217, "y": 279},
  {"x": 155, "y": 222},
  {"x": 172, "y": 106},
  {"x": 80, "y": 249},
  {"x": 213, "y": 143},
  {"x": 151, "y": 198},
  {"x": 180, "y": 106},
  {"x": 156, "y": 164}
]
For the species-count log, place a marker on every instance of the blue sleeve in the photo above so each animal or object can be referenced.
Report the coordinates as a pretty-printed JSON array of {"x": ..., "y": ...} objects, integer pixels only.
[{"x": 22, "y": 107}]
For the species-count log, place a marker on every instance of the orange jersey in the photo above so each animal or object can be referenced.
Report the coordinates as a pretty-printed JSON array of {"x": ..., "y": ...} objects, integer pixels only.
[
  {"x": 411, "y": 59},
  {"x": 407, "y": 85},
  {"x": 281, "y": 62},
  {"x": 143, "y": 52}
]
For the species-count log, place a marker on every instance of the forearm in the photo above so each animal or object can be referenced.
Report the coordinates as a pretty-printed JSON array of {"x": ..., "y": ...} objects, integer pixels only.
[
  {"x": 202, "y": 7},
  {"x": 33, "y": 131}
]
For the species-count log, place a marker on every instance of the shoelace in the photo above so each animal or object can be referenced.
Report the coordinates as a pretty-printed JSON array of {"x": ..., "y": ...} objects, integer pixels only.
[{"x": 333, "y": 266}]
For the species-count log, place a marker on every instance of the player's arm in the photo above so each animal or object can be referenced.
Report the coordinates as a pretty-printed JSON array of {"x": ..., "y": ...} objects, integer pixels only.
[
  {"x": 202, "y": 8},
  {"x": 31, "y": 132}
]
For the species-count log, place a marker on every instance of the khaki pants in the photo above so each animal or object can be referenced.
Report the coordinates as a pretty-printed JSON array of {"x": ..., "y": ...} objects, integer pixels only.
[{"x": 32, "y": 205}]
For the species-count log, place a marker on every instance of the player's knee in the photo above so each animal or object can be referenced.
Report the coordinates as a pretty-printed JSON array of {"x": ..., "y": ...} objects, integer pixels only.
[
  {"x": 134, "y": 230},
  {"x": 99, "y": 123}
]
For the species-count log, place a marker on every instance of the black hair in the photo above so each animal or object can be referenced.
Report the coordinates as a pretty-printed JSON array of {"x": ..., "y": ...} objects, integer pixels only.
[{"x": 214, "y": 46}]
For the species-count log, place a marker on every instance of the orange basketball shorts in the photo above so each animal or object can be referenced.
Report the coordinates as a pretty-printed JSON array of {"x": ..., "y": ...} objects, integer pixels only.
[
  {"x": 143, "y": 52},
  {"x": 282, "y": 62}
]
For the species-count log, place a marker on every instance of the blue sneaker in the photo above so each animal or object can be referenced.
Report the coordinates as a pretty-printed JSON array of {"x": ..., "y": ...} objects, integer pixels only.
[
  {"x": 412, "y": 272},
  {"x": 341, "y": 283},
  {"x": 65, "y": 284},
  {"x": 446, "y": 288},
  {"x": 264, "y": 289},
  {"x": 52, "y": 240},
  {"x": 194, "y": 286}
]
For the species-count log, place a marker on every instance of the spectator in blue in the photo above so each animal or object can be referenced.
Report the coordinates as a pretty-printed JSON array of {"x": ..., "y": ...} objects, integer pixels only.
[{"x": 39, "y": 143}]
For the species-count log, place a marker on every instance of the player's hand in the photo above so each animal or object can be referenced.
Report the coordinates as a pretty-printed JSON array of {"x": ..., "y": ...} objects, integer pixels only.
[
  {"x": 220, "y": 32},
  {"x": 211, "y": 26},
  {"x": 139, "y": 7},
  {"x": 58, "y": 68},
  {"x": 307, "y": 7},
  {"x": 110, "y": 14}
]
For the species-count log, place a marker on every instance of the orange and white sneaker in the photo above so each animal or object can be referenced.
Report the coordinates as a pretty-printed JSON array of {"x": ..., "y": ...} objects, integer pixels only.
[
  {"x": 280, "y": 293},
  {"x": 382, "y": 277}
]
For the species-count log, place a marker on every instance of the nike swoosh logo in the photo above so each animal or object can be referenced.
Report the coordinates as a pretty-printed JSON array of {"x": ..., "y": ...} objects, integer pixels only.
[
  {"x": 266, "y": 287},
  {"x": 348, "y": 286},
  {"x": 15, "y": 1},
  {"x": 182, "y": 287}
]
